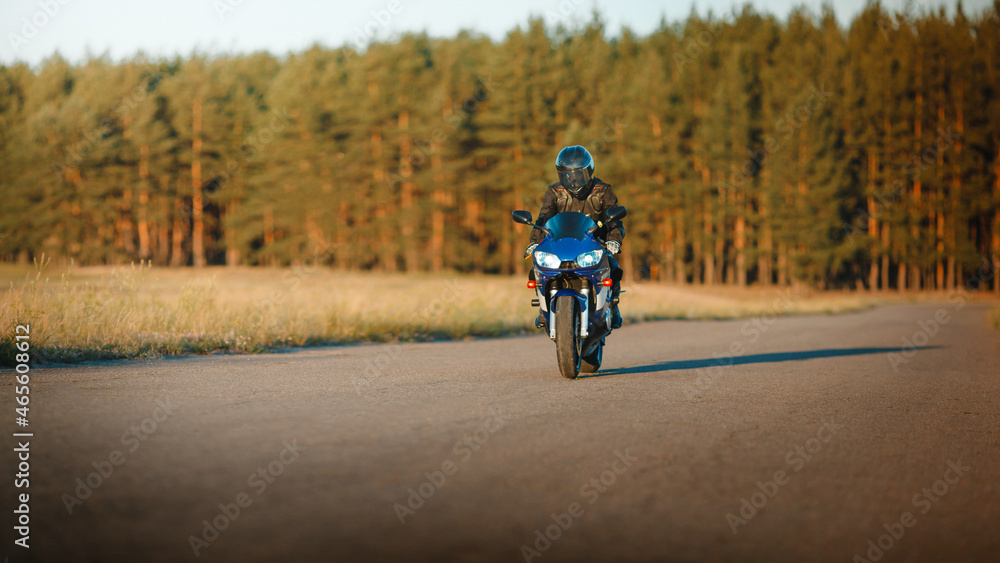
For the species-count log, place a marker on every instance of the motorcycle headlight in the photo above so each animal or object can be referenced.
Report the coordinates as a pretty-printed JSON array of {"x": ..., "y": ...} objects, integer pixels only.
[
  {"x": 588, "y": 259},
  {"x": 546, "y": 260}
]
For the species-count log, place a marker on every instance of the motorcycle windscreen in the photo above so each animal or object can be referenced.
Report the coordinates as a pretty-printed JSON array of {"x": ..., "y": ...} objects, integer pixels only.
[{"x": 569, "y": 225}]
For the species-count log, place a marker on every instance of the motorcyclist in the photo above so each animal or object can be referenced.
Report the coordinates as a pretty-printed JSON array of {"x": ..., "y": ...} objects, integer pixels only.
[{"x": 578, "y": 190}]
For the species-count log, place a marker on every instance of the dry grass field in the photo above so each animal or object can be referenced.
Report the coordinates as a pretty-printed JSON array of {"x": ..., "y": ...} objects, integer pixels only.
[{"x": 80, "y": 314}]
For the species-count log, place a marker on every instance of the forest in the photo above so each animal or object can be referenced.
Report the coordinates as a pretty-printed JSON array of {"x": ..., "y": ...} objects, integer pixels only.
[{"x": 750, "y": 149}]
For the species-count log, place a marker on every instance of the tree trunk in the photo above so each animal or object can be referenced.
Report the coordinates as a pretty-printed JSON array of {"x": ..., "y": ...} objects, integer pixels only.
[
  {"x": 917, "y": 214},
  {"x": 627, "y": 259},
  {"x": 232, "y": 246},
  {"x": 124, "y": 237},
  {"x": 872, "y": 221},
  {"x": 317, "y": 238},
  {"x": 697, "y": 261},
  {"x": 939, "y": 205},
  {"x": 517, "y": 242},
  {"x": 666, "y": 273},
  {"x": 143, "y": 212},
  {"x": 163, "y": 224},
  {"x": 765, "y": 273},
  {"x": 885, "y": 256},
  {"x": 386, "y": 233},
  {"x": 474, "y": 224},
  {"x": 996, "y": 227},
  {"x": 957, "y": 220},
  {"x": 708, "y": 256},
  {"x": 939, "y": 278},
  {"x": 198, "y": 231},
  {"x": 438, "y": 215},
  {"x": 680, "y": 249},
  {"x": 127, "y": 240},
  {"x": 176, "y": 252},
  {"x": 407, "y": 215},
  {"x": 740, "y": 243},
  {"x": 782, "y": 264},
  {"x": 915, "y": 232},
  {"x": 269, "y": 257},
  {"x": 76, "y": 238},
  {"x": 765, "y": 245}
]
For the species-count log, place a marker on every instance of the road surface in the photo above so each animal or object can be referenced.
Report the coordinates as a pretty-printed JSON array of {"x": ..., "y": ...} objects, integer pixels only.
[{"x": 859, "y": 437}]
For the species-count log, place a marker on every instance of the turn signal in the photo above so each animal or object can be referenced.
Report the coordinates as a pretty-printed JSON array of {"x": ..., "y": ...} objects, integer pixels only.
[
  {"x": 532, "y": 284},
  {"x": 608, "y": 282}
]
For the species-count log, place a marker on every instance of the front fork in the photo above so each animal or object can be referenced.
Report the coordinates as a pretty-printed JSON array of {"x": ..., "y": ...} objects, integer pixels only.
[
  {"x": 583, "y": 298},
  {"x": 602, "y": 301}
]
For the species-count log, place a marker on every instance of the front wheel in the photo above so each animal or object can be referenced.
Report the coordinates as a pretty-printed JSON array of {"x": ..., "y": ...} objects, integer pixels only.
[{"x": 568, "y": 336}]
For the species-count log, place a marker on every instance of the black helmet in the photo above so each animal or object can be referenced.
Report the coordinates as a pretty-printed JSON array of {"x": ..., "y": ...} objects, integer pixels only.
[{"x": 576, "y": 169}]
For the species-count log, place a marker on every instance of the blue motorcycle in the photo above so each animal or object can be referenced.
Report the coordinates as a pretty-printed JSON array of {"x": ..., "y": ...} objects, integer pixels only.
[{"x": 572, "y": 280}]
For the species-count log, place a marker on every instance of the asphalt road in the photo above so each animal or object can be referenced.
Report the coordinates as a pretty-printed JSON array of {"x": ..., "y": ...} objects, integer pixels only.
[{"x": 867, "y": 436}]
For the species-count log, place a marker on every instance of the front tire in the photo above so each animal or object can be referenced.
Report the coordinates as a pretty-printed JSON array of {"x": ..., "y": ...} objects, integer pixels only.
[{"x": 568, "y": 336}]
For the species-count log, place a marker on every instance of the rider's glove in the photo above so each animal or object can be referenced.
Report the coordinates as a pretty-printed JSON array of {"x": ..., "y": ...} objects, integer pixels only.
[
  {"x": 614, "y": 247},
  {"x": 530, "y": 249}
]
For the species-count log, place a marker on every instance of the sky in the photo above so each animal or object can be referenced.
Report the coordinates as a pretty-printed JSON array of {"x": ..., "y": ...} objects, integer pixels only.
[{"x": 33, "y": 30}]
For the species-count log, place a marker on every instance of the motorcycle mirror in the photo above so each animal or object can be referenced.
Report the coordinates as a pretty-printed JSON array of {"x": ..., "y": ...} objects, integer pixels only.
[
  {"x": 522, "y": 217},
  {"x": 617, "y": 212}
]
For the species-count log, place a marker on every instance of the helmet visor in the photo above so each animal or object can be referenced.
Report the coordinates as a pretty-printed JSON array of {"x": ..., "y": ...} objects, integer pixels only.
[{"x": 574, "y": 180}]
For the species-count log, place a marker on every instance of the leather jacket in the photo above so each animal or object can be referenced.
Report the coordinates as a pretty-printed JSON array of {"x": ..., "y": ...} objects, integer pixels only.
[{"x": 594, "y": 205}]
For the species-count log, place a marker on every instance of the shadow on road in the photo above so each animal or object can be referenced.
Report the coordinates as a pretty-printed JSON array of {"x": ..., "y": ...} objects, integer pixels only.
[{"x": 755, "y": 359}]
